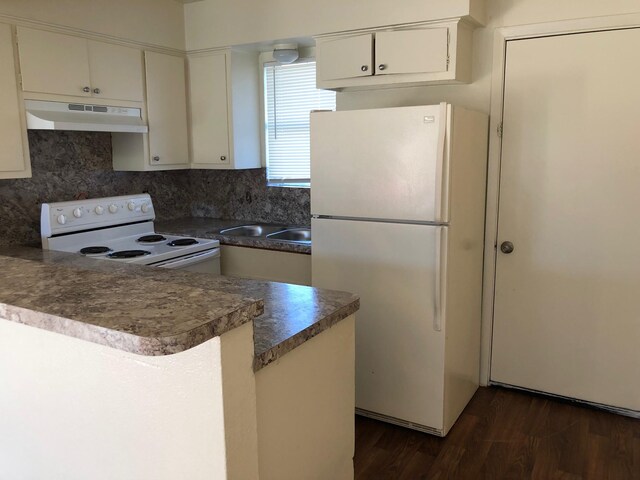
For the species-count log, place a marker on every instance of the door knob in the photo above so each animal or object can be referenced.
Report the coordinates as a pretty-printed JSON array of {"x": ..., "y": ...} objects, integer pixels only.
[{"x": 506, "y": 247}]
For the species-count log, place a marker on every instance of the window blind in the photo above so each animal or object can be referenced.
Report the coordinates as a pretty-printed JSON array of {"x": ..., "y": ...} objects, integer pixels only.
[{"x": 290, "y": 95}]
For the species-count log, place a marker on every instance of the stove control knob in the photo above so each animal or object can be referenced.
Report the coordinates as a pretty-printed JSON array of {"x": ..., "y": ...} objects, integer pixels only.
[
  {"x": 77, "y": 212},
  {"x": 145, "y": 207},
  {"x": 113, "y": 208},
  {"x": 62, "y": 219},
  {"x": 131, "y": 206},
  {"x": 99, "y": 210}
]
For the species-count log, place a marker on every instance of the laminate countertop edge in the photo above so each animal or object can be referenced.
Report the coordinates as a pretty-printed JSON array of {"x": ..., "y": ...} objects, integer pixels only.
[
  {"x": 164, "y": 311},
  {"x": 146, "y": 346},
  {"x": 263, "y": 358},
  {"x": 134, "y": 314}
]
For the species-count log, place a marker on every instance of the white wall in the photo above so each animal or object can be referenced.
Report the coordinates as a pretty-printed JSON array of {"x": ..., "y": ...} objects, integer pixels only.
[
  {"x": 217, "y": 23},
  {"x": 156, "y": 22}
]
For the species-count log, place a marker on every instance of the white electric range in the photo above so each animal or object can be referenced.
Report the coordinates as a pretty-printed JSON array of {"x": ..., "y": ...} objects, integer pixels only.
[{"x": 121, "y": 229}]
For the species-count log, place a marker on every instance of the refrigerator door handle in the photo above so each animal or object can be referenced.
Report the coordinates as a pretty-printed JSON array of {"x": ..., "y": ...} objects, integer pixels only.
[
  {"x": 442, "y": 169},
  {"x": 440, "y": 300}
]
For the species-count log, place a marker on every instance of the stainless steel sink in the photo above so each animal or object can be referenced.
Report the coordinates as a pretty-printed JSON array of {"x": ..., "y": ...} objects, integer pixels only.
[
  {"x": 251, "y": 230},
  {"x": 280, "y": 233},
  {"x": 298, "y": 235}
]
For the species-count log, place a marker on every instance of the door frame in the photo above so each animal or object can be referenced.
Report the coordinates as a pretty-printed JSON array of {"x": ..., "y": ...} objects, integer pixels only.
[{"x": 501, "y": 37}]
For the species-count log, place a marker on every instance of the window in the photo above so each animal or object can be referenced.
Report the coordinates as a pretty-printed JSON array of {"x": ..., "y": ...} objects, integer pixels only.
[{"x": 289, "y": 96}]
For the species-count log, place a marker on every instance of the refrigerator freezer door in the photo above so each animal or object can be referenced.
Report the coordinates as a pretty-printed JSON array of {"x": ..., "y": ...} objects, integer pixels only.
[
  {"x": 395, "y": 270},
  {"x": 383, "y": 164}
]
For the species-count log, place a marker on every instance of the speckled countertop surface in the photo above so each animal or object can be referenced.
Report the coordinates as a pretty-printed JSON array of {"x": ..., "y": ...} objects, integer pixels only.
[
  {"x": 59, "y": 292},
  {"x": 138, "y": 315},
  {"x": 210, "y": 228}
]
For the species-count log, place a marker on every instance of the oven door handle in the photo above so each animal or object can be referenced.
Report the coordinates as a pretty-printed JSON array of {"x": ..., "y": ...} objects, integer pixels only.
[{"x": 189, "y": 260}]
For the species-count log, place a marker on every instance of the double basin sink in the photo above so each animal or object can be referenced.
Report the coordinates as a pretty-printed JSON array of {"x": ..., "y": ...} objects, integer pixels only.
[{"x": 271, "y": 232}]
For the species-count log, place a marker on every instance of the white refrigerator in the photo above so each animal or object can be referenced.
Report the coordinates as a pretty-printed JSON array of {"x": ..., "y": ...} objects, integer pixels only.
[{"x": 398, "y": 201}]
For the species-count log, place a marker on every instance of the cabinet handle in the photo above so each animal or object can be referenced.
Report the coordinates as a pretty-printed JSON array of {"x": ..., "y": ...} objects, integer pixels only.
[
  {"x": 96, "y": 91},
  {"x": 156, "y": 158},
  {"x": 364, "y": 68},
  {"x": 86, "y": 89},
  {"x": 223, "y": 158},
  {"x": 382, "y": 66}
]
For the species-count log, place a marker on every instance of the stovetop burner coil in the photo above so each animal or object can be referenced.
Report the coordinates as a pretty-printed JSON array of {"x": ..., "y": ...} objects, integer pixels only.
[
  {"x": 182, "y": 242},
  {"x": 95, "y": 250},
  {"x": 129, "y": 254},
  {"x": 151, "y": 239}
]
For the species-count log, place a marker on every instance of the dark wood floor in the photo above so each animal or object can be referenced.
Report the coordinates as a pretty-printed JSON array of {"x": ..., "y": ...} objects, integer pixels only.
[{"x": 504, "y": 434}]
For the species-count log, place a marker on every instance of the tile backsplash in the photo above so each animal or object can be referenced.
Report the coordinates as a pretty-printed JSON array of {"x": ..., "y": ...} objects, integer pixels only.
[
  {"x": 244, "y": 195},
  {"x": 66, "y": 165}
]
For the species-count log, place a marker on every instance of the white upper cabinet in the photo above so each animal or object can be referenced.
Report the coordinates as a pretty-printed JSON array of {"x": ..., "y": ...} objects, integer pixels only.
[
  {"x": 116, "y": 72},
  {"x": 14, "y": 154},
  {"x": 166, "y": 146},
  {"x": 209, "y": 109},
  {"x": 394, "y": 57},
  {"x": 54, "y": 63},
  {"x": 345, "y": 57},
  {"x": 425, "y": 54},
  {"x": 167, "y": 109},
  {"x": 224, "y": 106}
]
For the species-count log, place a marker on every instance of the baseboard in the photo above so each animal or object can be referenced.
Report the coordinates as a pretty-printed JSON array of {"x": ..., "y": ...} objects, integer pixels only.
[
  {"x": 399, "y": 422},
  {"x": 600, "y": 406}
]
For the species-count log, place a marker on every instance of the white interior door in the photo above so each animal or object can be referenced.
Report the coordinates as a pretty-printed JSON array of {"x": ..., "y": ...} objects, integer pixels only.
[
  {"x": 567, "y": 304},
  {"x": 394, "y": 269},
  {"x": 384, "y": 163}
]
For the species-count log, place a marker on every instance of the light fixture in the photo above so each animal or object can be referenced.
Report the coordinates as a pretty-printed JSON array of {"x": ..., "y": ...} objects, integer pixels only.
[{"x": 285, "y": 52}]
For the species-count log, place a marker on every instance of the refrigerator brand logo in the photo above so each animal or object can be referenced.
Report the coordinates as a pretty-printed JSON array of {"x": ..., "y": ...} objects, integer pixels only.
[{"x": 429, "y": 119}]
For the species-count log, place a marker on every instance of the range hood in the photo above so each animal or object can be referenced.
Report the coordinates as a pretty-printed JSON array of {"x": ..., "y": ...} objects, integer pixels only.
[{"x": 86, "y": 118}]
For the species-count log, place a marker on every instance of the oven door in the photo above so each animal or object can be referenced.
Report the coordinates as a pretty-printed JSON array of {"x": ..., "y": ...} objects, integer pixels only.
[{"x": 203, "y": 262}]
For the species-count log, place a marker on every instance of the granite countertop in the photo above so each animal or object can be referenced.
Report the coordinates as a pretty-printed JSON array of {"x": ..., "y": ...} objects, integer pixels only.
[
  {"x": 210, "y": 228},
  {"x": 153, "y": 311}
]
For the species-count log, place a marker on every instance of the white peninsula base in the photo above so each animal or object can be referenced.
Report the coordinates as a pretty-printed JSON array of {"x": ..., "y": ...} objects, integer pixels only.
[{"x": 72, "y": 409}]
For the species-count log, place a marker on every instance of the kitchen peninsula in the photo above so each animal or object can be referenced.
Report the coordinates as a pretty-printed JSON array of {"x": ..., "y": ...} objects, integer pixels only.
[{"x": 135, "y": 372}]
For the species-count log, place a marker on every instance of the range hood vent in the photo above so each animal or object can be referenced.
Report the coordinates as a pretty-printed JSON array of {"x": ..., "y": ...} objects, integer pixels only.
[{"x": 86, "y": 118}]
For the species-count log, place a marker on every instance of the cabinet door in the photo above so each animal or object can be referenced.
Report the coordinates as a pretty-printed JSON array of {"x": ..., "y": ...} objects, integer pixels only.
[
  {"x": 348, "y": 57},
  {"x": 411, "y": 51},
  {"x": 167, "y": 109},
  {"x": 209, "y": 109},
  {"x": 53, "y": 63},
  {"x": 13, "y": 161},
  {"x": 116, "y": 72}
]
